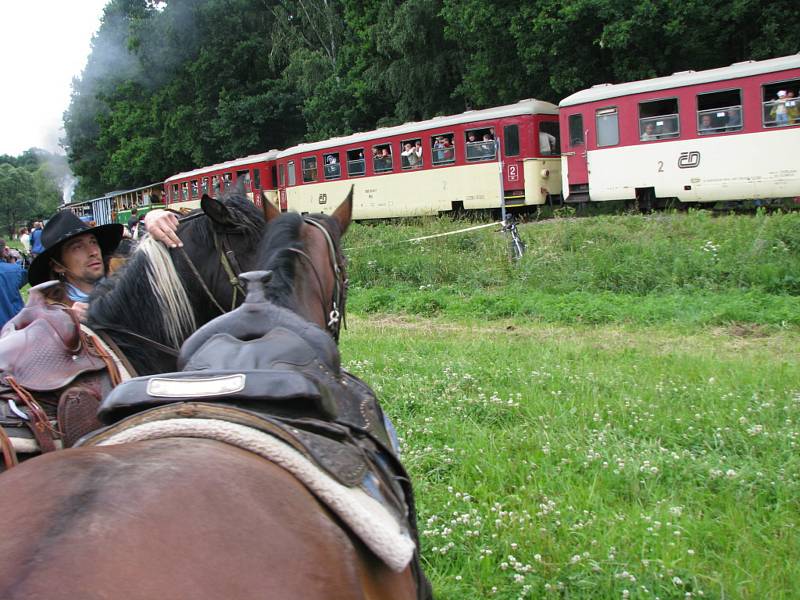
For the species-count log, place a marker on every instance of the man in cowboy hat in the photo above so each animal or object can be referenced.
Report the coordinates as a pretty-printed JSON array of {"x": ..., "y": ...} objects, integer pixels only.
[{"x": 75, "y": 254}]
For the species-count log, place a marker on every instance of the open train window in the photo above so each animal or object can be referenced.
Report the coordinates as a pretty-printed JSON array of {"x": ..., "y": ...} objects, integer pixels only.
[
  {"x": 511, "y": 140},
  {"x": 194, "y": 188},
  {"x": 658, "y": 120},
  {"x": 780, "y": 103},
  {"x": 309, "y": 169},
  {"x": 185, "y": 191},
  {"x": 443, "y": 151},
  {"x": 607, "y": 122},
  {"x": 382, "y": 158},
  {"x": 549, "y": 138},
  {"x": 227, "y": 179},
  {"x": 480, "y": 144},
  {"x": 292, "y": 177},
  {"x": 175, "y": 197},
  {"x": 333, "y": 168},
  {"x": 411, "y": 154},
  {"x": 576, "y": 130},
  {"x": 246, "y": 175},
  {"x": 215, "y": 184},
  {"x": 719, "y": 112},
  {"x": 356, "y": 165},
  {"x": 204, "y": 185}
]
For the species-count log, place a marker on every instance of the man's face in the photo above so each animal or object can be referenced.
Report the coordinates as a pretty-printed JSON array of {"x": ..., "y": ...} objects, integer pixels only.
[{"x": 81, "y": 260}]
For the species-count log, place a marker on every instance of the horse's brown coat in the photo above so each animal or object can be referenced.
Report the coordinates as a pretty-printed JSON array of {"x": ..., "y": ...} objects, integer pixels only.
[{"x": 176, "y": 519}]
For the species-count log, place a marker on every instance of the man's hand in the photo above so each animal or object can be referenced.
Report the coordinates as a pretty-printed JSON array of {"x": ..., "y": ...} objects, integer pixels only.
[
  {"x": 81, "y": 309},
  {"x": 162, "y": 225}
]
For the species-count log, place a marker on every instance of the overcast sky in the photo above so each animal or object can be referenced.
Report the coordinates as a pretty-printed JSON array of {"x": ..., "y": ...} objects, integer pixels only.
[{"x": 43, "y": 45}]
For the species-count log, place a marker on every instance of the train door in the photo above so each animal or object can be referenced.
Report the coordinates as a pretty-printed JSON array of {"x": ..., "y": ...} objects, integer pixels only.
[
  {"x": 576, "y": 176},
  {"x": 513, "y": 178},
  {"x": 284, "y": 172}
]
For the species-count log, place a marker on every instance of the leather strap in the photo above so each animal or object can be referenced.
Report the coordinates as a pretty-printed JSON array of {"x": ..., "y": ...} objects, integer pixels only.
[
  {"x": 9, "y": 454},
  {"x": 40, "y": 425}
]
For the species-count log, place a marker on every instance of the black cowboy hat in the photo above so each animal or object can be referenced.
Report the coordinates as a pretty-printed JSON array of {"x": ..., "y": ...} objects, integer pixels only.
[{"x": 63, "y": 226}]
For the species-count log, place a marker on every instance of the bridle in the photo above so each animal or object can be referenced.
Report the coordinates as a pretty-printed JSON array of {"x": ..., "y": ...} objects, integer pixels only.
[{"x": 335, "y": 315}]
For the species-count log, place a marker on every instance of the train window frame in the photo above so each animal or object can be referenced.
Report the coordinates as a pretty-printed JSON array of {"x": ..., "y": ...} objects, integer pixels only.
[
  {"x": 580, "y": 139},
  {"x": 555, "y": 133},
  {"x": 195, "y": 189},
  {"x": 215, "y": 184},
  {"x": 604, "y": 113},
  {"x": 481, "y": 149},
  {"x": 244, "y": 173},
  {"x": 355, "y": 158},
  {"x": 308, "y": 165},
  {"x": 291, "y": 176},
  {"x": 227, "y": 179},
  {"x": 332, "y": 166},
  {"x": 674, "y": 117},
  {"x": 721, "y": 111},
  {"x": 175, "y": 192},
  {"x": 383, "y": 166},
  {"x": 416, "y": 151},
  {"x": 511, "y": 146},
  {"x": 442, "y": 156},
  {"x": 204, "y": 185},
  {"x": 770, "y": 89},
  {"x": 185, "y": 191}
]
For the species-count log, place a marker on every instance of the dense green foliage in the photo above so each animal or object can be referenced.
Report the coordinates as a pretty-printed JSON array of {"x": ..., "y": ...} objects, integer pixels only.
[
  {"x": 692, "y": 268},
  {"x": 594, "y": 462},
  {"x": 30, "y": 187},
  {"x": 173, "y": 85}
]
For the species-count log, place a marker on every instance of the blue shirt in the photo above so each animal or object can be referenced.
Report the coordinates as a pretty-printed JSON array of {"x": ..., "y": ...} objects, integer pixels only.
[
  {"x": 12, "y": 278},
  {"x": 36, "y": 242}
]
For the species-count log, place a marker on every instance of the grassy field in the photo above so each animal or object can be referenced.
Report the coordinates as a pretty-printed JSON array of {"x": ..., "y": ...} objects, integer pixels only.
[{"x": 577, "y": 449}]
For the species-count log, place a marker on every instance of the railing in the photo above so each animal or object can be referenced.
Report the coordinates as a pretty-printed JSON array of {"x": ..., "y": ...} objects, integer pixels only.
[
  {"x": 443, "y": 156},
  {"x": 333, "y": 171},
  {"x": 382, "y": 164},
  {"x": 781, "y": 113},
  {"x": 356, "y": 167},
  {"x": 664, "y": 127},
  {"x": 720, "y": 120},
  {"x": 480, "y": 150}
]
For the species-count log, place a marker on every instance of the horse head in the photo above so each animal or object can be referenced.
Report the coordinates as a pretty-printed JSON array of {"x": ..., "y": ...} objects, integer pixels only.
[{"x": 160, "y": 296}]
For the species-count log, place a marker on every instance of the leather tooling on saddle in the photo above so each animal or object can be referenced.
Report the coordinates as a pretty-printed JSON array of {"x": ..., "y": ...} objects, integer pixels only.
[{"x": 52, "y": 376}]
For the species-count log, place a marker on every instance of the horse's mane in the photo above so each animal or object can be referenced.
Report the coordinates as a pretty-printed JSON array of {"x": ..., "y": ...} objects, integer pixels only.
[{"x": 282, "y": 235}]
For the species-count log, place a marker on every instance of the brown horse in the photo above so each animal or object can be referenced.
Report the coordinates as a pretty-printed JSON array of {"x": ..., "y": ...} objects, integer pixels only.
[{"x": 194, "y": 518}]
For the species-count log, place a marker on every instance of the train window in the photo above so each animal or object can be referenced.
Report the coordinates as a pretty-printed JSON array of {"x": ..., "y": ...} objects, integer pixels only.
[
  {"x": 290, "y": 173},
  {"x": 382, "y": 158},
  {"x": 480, "y": 145},
  {"x": 175, "y": 197},
  {"x": 443, "y": 150},
  {"x": 227, "y": 179},
  {"x": 511, "y": 140},
  {"x": 333, "y": 169},
  {"x": 246, "y": 176},
  {"x": 356, "y": 165},
  {"x": 194, "y": 188},
  {"x": 607, "y": 122},
  {"x": 257, "y": 178},
  {"x": 204, "y": 185},
  {"x": 411, "y": 155},
  {"x": 658, "y": 120},
  {"x": 185, "y": 190},
  {"x": 780, "y": 103},
  {"x": 719, "y": 112},
  {"x": 309, "y": 169},
  {"x": 549, "y": 138},
  {"x": 215, "y": 185},
  {"x": 576, "y": 130}
]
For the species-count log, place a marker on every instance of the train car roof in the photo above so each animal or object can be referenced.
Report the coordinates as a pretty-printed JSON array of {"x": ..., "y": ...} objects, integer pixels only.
[
  {"x": 236, "y": 162},
  {"x": 604, "y": 91},
  {"x": 523, "y": 107}
]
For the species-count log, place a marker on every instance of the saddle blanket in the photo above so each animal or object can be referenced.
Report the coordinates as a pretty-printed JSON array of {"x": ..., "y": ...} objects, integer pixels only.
[{"x": 370, "y": 521}]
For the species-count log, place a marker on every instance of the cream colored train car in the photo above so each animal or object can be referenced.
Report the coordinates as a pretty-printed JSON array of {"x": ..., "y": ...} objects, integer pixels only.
[{"x": 423, "y": 168}]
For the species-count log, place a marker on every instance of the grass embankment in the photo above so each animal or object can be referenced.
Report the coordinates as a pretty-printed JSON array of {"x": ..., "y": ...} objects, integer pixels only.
[
  {"x": 691, "y": 268},
  {"x": 617, "y": 416}
]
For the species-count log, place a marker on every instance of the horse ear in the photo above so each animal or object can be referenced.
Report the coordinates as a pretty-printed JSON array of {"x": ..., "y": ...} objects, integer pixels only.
[
  {"x": 270, "y": 212},
  {"x": 215, "y": 210},
  {"x": 344, "y": 213}
]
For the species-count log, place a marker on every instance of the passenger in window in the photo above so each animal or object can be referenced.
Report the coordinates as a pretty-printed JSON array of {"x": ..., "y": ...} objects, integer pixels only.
[
  {"x": 733, "y": 119},
  {"x": 706, "y": 126},
  {"x": 779, "y": 113},
  {"x": 418, "y": 150},
  {"x": 449, "y": 152},
  {"x": 649, "y": 133},
  {"x": 410, "y": 156},
  {"x": 487, "y": 144},
  {"x": 438, "y": 149},
  {"x": 792, "y": 108},
  {"x": 547, "y": 143}
]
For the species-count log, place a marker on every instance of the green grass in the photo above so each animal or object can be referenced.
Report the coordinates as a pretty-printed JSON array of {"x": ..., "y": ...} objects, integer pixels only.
[
  {"x": 595, "y": 461},
  {"x": 692, "y": 268},
  {"x": 615, "y": 416}
]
